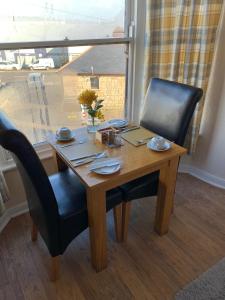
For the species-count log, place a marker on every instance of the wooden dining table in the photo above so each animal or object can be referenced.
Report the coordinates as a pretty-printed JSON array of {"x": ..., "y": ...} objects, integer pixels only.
[{"x": 136, "y": 162}]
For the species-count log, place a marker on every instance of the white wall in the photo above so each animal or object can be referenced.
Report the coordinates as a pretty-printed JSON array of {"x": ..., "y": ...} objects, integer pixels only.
[
  {"x": 15, "y": 186},
  {"x": 18, "y": 204}
]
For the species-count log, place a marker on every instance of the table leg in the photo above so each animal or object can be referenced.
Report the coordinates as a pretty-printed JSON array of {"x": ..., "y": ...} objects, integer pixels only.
[
  {"x": 96, "y": 204},
  {"x": 62, "y": 166},
  {"x": 166, "y": 189}
]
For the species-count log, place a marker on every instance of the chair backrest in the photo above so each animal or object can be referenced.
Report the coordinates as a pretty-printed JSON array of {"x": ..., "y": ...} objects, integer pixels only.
[
  {"x": 169, "y": 107},
  {"x": 40, "y": 196}
]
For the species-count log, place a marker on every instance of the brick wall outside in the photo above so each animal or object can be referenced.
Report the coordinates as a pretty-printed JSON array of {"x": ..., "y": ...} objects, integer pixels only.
[{"x": 111, "y": 89}]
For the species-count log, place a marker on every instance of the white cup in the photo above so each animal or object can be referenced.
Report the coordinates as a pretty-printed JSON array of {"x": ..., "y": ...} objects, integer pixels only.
[
  {"x": 64, "y": 133},
  {"x": 159, "y": 141}
]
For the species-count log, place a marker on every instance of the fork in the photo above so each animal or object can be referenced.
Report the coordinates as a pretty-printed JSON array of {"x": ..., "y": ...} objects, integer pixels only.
[{"x": 141, "y": 141}]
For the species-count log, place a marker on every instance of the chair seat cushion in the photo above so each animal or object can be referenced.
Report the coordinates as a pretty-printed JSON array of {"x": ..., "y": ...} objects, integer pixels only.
[
  {"x": 141, "y": 187},
  {"x": 69, "y": 192}
]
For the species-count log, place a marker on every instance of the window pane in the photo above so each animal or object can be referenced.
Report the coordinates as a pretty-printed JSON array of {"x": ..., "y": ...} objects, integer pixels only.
[
  {"x": 94, "y": 82},
  {"x": 39, "y": 88},
  {"x": 29, "y": 20}
]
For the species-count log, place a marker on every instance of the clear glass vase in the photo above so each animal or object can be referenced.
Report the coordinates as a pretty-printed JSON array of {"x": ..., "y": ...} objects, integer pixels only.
[{"x": 93, "y": 124}]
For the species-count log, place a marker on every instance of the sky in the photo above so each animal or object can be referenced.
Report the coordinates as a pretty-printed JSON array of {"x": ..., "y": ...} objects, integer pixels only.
[{"x": 81, "y": 9}]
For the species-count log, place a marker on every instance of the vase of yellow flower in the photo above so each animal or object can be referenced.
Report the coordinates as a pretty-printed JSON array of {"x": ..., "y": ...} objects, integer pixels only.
[
  {"x": 86, "y": 99},
  {"x": 90, "y": 103}
]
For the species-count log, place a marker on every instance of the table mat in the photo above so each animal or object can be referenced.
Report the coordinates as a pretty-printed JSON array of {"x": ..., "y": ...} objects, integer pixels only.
[
  {"x": 133, "y": 136},
  {"x": 76, "y": 150}
]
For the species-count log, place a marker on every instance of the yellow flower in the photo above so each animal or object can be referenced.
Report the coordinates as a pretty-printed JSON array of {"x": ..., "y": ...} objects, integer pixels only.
[
  {"x": 100, "y": 115},
  {"x": 87, "y": 97}
]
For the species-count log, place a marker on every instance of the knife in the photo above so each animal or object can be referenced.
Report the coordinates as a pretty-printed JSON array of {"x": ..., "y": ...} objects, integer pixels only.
[
  {"x": 104, "y": 164},
  {"x": 130, "y": 129},
  {"x": 86, "y": 156}
]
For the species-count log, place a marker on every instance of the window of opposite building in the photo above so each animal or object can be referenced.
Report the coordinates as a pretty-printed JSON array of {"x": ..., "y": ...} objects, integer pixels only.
[{"x": 94, "y": 82}]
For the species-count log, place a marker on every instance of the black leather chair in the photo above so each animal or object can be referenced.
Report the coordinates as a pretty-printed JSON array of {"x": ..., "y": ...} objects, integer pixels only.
[
  {"x": 57, "y": 203},
  {"x": 168, "y": 109}
]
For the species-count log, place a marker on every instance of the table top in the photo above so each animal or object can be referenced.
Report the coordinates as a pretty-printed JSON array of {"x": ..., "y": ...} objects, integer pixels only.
[{"x": 136, "y": 161}]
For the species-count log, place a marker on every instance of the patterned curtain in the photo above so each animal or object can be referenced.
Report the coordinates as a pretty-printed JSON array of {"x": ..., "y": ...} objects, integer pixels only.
[{"x": 179, "y": 44}]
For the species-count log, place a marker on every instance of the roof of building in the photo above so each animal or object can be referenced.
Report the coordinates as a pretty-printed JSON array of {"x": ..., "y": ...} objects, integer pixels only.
[{"x": 100, "y": 60}]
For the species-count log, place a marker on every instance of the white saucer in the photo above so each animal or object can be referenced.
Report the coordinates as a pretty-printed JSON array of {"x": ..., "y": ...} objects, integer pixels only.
[
  {"x": 107, "y": 170},
  {"x": 60, "y": 139},
  {"x": 118, "y": 123},
  {"x": 153, "y": 146}
]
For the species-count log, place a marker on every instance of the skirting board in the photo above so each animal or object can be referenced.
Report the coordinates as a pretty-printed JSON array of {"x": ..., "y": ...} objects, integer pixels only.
[
  {"x": 12, "y": 212},
  {"x": 202, "y": 175}
]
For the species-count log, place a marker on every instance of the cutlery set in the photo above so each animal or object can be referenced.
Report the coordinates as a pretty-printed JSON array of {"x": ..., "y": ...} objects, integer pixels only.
[
  {"x": 106, "y": 163},
  {"x": 130, "y": 129},
  {"x": 73, "y": 143},
  {"x": 103, "y": 166},
  {"x": 143, "y": 141},
  {"x": 88, "y": 158}
]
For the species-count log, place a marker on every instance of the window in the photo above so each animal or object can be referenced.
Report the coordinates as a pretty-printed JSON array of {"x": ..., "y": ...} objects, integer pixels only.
[
  {"x": 94, "y": 82},
  {"x": 55, "y": 51},
  {"x": 48, "y": 20}
]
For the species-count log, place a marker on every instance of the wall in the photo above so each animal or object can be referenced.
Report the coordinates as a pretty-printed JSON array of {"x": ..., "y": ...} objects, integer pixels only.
[
  {"x": 15, "y": 186},
  {"x": 17, "y": 204}
]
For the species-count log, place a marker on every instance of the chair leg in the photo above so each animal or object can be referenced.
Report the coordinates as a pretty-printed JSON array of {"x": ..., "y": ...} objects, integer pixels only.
[
  {"x": 34, "y": 232},
  {"x": 54, "y": 269},
  {"x": 117, "y": 212},
  {"x": 125, "y": 219}
]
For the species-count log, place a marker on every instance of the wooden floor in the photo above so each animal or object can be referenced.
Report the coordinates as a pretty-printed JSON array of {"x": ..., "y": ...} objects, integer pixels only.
[{"x": 146, "y": 267}]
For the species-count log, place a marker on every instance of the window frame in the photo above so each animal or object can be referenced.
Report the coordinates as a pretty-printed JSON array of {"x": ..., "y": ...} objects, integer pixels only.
[
  {"x": 42, "y": 148},
  {"x": 64, "y": 43}
]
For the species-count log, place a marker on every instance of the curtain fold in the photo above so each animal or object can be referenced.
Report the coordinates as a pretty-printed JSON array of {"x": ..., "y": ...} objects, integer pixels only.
[{"x": 179, "y": 45}]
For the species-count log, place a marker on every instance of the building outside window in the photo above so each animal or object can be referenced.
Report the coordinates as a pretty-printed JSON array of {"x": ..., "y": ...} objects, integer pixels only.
[{"x": 49, "y": 55}]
